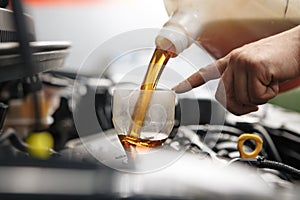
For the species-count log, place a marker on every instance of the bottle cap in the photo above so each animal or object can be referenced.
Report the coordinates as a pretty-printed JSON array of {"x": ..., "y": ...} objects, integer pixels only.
[
  {"x": 182, "y": 29},
  {"x": 172, "y": 35}
]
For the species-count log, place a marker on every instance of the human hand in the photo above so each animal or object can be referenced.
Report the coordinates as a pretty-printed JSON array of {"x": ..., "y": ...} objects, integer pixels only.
[{"x": 253, "y": 74}]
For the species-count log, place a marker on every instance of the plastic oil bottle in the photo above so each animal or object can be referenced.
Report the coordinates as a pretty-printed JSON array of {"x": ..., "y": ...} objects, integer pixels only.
[{"x": 223, "y": 25}]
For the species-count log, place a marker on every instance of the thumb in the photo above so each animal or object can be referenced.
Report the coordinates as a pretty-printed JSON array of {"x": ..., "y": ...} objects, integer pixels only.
[{"x": 205, "y": 74}]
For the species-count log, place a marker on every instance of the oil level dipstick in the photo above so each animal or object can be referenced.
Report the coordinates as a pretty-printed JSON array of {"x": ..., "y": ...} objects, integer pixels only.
[{"x": 258, "y": 145}]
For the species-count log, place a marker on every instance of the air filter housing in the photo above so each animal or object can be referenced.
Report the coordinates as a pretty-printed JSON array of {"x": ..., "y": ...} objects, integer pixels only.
[{"x": 7, "y": 27}]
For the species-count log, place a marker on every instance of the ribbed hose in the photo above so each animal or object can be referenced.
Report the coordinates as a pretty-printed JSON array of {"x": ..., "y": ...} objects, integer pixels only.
[{"x": 274, "y": 165}]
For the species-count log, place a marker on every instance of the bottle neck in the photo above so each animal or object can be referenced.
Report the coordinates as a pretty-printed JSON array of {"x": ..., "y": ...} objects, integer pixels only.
[{"x": 181, "y": 30}]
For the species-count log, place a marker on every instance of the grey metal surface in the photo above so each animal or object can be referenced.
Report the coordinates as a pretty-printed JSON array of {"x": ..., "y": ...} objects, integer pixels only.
[
  {"x": 12, "y": 67},
  {"x": 9, "y": 48},
  {"x": 7, "y": 27}
]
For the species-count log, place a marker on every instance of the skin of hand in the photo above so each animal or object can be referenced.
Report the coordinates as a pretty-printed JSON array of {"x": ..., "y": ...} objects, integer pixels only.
[{"x": 252, "y": 74}]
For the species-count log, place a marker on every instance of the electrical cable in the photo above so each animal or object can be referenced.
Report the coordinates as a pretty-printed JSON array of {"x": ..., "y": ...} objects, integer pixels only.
[
  {"x": 3, "y": 111},
  {"x": 26, "y": 54},
  {"x": 269, "y": 140},
  {"x": 216, "y": 128},
  {"x": 297, "y": 135},
  {"x": 10, "y": 135}
]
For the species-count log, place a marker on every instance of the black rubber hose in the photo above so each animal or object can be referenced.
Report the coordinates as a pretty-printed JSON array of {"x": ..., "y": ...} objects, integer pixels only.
[
  {"x": 273, "y": 165},
  {"x": 3, "y": 3},
  {"x": 26, "y": 54},
  {"x": 10, "y": 135},
  {"x": 3, "y": 111}
]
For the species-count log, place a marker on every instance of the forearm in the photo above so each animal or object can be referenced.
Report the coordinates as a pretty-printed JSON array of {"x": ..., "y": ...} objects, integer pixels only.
[
  {"x": 297, "y": 30},
  {"x": 294, "y": 35}
]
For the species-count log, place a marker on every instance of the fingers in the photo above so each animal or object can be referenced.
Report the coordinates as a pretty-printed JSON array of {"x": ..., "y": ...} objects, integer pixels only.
[
  {"x": 210, "y": 72},
  {"x": 240, "y": 77},
  {"x": 245, "y": 82},
  {"x": 252, "y": 84},
  {"x": 263, "y": 94},
  {"x": 227, "y": 95},
  {"x": 261, "y": 90}
]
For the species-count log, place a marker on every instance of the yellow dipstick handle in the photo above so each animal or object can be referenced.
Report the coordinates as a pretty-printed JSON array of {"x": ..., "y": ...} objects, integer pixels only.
[
  {"x": 40, "y": 144},
  {"x": 258, "y": 147}
]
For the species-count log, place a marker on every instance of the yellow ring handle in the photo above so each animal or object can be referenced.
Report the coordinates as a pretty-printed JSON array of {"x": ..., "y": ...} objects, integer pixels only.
[
  {"x": 258, "y": 142},
  {"x": 40, "y": 144}
]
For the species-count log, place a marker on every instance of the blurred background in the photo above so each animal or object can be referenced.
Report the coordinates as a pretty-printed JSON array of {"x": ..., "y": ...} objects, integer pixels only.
[{"x": 89, "y": 23}]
